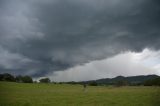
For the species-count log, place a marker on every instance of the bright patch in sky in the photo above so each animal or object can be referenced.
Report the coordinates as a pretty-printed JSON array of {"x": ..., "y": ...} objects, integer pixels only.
[{"x": 126, "y": 64}]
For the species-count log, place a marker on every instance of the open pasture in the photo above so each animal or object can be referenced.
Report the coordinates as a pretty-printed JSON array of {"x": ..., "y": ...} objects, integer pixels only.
[{"x": 22, "y": 94}]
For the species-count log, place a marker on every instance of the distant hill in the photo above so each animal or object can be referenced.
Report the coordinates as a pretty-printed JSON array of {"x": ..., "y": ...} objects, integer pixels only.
[{"x": 131, "y": 80}]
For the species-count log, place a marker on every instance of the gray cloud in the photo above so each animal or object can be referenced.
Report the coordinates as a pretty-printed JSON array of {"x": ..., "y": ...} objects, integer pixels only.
[{"x": 58, "y": 34}]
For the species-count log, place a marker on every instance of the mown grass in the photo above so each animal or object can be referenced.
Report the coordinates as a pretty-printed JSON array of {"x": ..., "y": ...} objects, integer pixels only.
[{"x": 21, "y": 94}]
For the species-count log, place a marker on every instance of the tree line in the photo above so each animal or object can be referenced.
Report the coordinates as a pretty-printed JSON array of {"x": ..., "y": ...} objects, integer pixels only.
[
  {"x": 120, "y": 82},
  {"x": 21, "y": 79}
]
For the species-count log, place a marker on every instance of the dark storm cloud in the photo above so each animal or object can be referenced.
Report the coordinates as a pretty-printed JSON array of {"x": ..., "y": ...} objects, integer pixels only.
[{"x": 55, "y": 35}]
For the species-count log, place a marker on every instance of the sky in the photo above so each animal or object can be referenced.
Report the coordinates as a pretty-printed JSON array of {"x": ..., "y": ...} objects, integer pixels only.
[{"x": 75, "y": 40}]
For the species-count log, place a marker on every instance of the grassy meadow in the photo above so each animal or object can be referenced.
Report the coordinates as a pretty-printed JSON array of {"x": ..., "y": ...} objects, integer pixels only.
[{"x": 22, "y": 94}]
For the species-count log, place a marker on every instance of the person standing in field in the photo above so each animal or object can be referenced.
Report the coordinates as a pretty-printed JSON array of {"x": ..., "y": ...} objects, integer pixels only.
[{"x": 84, "y": 87}]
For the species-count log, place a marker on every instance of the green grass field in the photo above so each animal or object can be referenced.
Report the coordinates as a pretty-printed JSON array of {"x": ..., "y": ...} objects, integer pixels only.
[{"x": 21, "y": 94}]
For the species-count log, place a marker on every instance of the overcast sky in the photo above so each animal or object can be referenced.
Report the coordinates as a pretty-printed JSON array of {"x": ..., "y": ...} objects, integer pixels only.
[{"x": 79, "y": 39}]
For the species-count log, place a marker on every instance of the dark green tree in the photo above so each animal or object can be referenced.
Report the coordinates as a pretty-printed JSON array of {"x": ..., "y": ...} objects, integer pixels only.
[
  {"x": 45, "y": 80},
  {"x": 19, "y": 78},
  {"x": 1, "y": 77},
  {"x": 152, "y": 82},
  {"x": 7, "y": 77},
  {"x": 93, "y": 83},
  {"x": 27, "y": 79}
]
